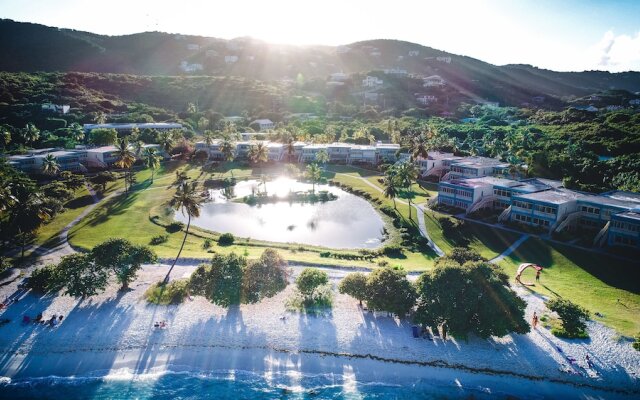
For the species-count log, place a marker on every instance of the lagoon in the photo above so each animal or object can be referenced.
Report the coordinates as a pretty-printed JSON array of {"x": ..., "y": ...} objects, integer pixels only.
[{"x": 348, "y": 222}]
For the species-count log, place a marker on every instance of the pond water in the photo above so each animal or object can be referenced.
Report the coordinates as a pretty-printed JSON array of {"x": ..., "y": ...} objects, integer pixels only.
[{"x": 348, "y": 222}]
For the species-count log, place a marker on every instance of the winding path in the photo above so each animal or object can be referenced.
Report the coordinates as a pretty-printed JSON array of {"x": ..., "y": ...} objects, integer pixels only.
[{"x": 419, "y": 211}]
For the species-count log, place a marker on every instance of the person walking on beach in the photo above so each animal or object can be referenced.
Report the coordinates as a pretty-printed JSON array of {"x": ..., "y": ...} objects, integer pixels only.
[{"x": 534, "y": 320}]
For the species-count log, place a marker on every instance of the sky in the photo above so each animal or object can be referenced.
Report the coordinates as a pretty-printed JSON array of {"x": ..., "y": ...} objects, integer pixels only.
[{"x": 562, "y": 35}]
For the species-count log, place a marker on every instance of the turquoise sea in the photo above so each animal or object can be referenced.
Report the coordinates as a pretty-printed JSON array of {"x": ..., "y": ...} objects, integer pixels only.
[{"x": 236, "y": 385}]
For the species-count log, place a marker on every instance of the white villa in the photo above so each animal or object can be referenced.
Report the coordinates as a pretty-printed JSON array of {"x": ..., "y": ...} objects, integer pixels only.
[
  {"x": 372, "y": 81},
  {"x": 433, "y": 81},
  {"x": 264, "y": 124},
  {"x": 363, "y": 154},
  {"x": 276, "y": 151},
  {"x": 56, "y": 108}
]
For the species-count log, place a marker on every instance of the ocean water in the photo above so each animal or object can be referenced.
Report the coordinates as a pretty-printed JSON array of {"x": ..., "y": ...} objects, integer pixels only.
[{"x": 234, "y": 385}]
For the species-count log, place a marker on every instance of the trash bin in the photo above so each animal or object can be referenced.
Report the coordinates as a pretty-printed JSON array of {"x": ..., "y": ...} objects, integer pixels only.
[{"x": 416, "y": 331}]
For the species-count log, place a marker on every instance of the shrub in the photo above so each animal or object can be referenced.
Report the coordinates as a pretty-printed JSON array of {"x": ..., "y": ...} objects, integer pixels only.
[
  {"x": 325, "y": 254},
  {"x": 175, "y": 227},
  {"x": 392, "y": 251},
  {"x": 173, "y": 292},
  {"x": 461, "y": 255},
  {"x": 207, "y": 243},
  {"x": 390, "y": 211},
  {"x": 309, "y": 279},
  {"x": 636, "y": 342},
  {"x": 573, "y": 318},
  {"x": 45, "y": 279},
  {"x": 226, "y": 239},
  {"x": 159, "y": 239},
  {"x": 354, "y": 285},
  {"x": 320, "y": 298}
]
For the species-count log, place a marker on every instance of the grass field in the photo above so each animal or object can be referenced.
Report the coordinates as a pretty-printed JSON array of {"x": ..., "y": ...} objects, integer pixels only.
[
  {"x": 597, "y": 282},
  {"x": 129, "y": 217}
]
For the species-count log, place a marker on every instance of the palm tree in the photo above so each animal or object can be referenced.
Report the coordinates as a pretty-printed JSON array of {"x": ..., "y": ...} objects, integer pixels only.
[
  {"x": 100, "y": 118},
  {"x": 50, "y": 165},
  {"x": 258, "y": 153},
  {"x": 407, "y": 173},
  {"x": 289, "y": 145},
  {"x": 152, "y": 160},
  {"x": 76, "y": 132},
  {"x": 188, "y": 201},
  {"x": 227, "y": 149},
  {"x": 208, "y": 137},
  {"x": 30, "y": 133},
  {"x": 126, "y": 158},
  {"x": 166, "y": 139},
  {"x": 322, "y": 157},
  {"x": 390, "y": 184},
  {"x": 313, "y": 173},
  {"x": 420, "y": 147},
  {"x": 181, "y": 177}
]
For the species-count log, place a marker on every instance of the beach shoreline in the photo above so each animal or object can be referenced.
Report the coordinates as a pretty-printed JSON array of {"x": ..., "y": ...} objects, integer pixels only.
[{"x": 114, "y": 334}]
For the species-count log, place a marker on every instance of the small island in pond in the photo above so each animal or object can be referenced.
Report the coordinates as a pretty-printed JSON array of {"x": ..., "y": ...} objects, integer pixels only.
[{"x": 292, "y": 197}]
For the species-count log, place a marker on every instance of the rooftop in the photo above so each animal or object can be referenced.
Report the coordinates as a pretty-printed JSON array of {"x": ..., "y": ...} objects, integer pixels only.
[
  {"x": 102, "y": 149},
  {"x": 634, "y": 215},
  {"x": 339, "y": 144},
  {"x": 477, "y": 162},
  {"x": 553, "y": 196}
]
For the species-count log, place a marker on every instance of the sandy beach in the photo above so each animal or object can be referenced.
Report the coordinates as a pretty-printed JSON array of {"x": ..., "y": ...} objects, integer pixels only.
[{"x": 113, "y": 334}]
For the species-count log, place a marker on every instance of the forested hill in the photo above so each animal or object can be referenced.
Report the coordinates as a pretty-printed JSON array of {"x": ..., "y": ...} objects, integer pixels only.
[{"x": 31, "y": 47}]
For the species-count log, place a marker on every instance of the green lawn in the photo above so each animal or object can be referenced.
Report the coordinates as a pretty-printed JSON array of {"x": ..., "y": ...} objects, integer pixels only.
[
  {"x": 129, "y": 217},
  {"x": 597, "y": 282}
]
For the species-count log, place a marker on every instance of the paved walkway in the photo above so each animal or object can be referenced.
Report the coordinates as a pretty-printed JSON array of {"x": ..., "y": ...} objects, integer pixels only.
[{"x": 509, "y": 249}]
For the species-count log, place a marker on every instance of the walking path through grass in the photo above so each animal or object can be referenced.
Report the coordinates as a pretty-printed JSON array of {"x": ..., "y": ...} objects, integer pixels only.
[
  {"x": 509, "y": 249},
  {"x": 419, "y": 211}
]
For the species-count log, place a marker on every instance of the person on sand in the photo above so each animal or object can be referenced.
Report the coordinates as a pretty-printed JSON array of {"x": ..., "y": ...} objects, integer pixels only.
[
  {"x": 588, "y": 360},
  {"x": 534, "y": 320}
]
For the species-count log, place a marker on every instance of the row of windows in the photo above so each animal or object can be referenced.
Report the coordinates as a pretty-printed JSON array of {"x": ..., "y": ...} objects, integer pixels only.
[
  {"x": 445, "y": 189},
  {"x": 625, "y": 240},
  {"x": 464, "y": 193},
  {"x": 461, "y": 204},
  {"x": 501, "y": 204},
  {"x": 625, "y": 226},
  {"x": 545, "y": 209},
  {"x": 522, "y": 204},
  {"x": 590, "y": 210},
  {"x": 502, "y": 192},
  {"x": 535, "y": 221}
]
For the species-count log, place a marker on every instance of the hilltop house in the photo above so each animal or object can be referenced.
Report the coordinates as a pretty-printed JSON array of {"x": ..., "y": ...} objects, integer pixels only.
[
  {"x": 372, "y": 81},
  {"x": 433, "y": 81},
  {"x": 56, "y": 108}
]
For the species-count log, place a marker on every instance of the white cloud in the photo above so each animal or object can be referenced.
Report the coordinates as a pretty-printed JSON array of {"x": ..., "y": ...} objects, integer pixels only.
[{"x": 616, "y": 53}]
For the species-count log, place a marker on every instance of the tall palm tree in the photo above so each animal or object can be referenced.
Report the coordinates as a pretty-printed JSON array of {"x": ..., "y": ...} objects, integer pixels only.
[
  {"x": 188, "y": 201},
  {"x": 208, "y": 137},
  {"x": 313, "y": 173},
  {"x": 50, "y": 165},
  {"x": 166, "y": 140},
  {"x": 289, "y": 146},
  {"x": 30, "y": 133},
  {"x": 420, "y": 147},
  {"x": 152, "y": 160},
  {"x": 76, "y": 132},
  {"x": 126, "y": 158},
  {"x": 227, "y": 149},
  {"x": 407, "y": 174},
  {"x": 322, "y": 157},
  {"x": 258, "y": 153},
  {"x": 390, "y": 184}
]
